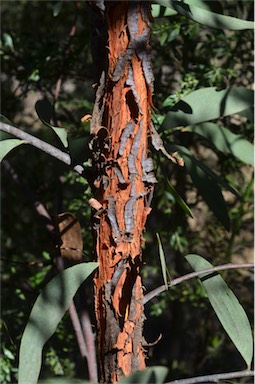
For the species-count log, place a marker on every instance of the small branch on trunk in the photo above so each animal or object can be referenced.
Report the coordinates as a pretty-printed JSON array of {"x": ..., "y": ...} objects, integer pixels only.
[
  {"x": 213, "y": 378},
  {"x": 43, "y": 146},
  {"x": 189, "y": 276}
]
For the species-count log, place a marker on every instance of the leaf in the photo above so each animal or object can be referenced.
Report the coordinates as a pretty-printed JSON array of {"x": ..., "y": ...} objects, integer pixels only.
[
  {"x": 206, "y": 17},
  {"x": 209, "y": 5},
  {"x": 179, "y": 200},
  {"x": 162, "y": 261},
  {"x": 8, "y": 145},
  {"x": 47, "y": 312},
  {"x": 44, "y": 111},
  {"x": 227, "y": 308},
  {"x": 63, "y": 380},
  {"x": 205, "y": 180},
  {"x": 225, "y": 141},
  {"x": 57, "y": 5},
  {"x": 207, "y": 104},
  {"x": 155, "y": 375},
  {"x": 158, "y": 11}
]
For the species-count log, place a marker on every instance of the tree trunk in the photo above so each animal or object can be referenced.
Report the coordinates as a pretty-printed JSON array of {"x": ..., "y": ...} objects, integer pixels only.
[{"x": 123, "y": 186}]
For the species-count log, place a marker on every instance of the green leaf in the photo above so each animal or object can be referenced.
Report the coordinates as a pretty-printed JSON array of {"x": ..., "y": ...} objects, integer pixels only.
[
  {"x": 209, "y": 5},
  {"x": 225, "y": 141},
  {"x": 205, "y": 180},
  {"x": 47, "y": 312},
  {"x": 162, "y": 261},
  {"x": 63, "y": 380},
  {"x": 179, "y": 200},
  {"x": 57, "y": 5},
  {"x": 227, "y": 308},
  {"x": 208, "y": 104},
  {"x": 7, "y": 40},
  {"x": 44, "y": 111},
  {"x": 206, "y": 17},
  {"x": 158, "y": 11},
  {"x": 155, "y": 375},
  {"x": 8, "y": 145}
]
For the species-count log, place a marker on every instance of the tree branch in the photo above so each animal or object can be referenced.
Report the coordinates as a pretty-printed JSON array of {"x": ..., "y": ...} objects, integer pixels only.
[
  {"x": 213, "y": 378},
  {"x": 43, "y": 146},
  {"x": 189, "y": 276}
]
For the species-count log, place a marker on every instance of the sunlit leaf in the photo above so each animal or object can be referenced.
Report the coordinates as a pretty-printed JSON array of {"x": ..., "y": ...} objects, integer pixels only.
[
  {"x": 158, "y": 11},
  {"x": 227, "y": 308},
  {"x": 8, "y": 145},
  {"x": 225, "y": 141},
  {"x": 155, "y": 375},
  {"x": 179, "y": 200},
  {"x": 57, "y": 5},
  {"x": 44, "y": 111},
  {"x": 48, "y": 310},
  {"x": 207, "y": 104},
  {"x": 206, "y": 17},
  {"x": 63, "y": 380},
  {"x": 162, "y": 261}
]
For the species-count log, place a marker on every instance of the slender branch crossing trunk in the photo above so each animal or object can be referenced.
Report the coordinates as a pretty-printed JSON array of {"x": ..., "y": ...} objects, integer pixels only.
[{"x": 123, "y": 186}]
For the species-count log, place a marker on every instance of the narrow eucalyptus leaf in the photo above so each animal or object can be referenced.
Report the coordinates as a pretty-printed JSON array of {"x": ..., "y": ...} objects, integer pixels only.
[
  {"x": 211, "y": 5},
  {"x": 162, "y": 261},
  {"x": 158, "y": 11},
  {"x": 179, "y": 200},
  {"x": 227, "y": 308},
  {"x": 8, "y": 145},
  {"x": 45, "y": 111},
  {"x": 206, "y": 17},
  {"x": 207, "y": 104},
  {"x": 225, "y": 141},
  {"x": 48, "y": 310}
]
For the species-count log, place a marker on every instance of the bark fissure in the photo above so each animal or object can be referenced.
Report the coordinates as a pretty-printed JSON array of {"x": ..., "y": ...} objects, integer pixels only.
[{"x": 123, "y": 187}]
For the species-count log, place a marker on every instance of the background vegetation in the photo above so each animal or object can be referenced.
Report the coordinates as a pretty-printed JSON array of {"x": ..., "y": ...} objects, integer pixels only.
[{"x": 47, "y": 44}]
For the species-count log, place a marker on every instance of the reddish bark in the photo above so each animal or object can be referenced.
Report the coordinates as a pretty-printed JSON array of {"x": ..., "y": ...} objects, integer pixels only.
[{"x": 123, "y": 187}]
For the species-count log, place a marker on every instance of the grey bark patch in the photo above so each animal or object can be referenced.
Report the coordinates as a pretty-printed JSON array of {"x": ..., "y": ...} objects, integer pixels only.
[
  {"x": 132, "y": 18},
  {"x": 111, "y": 213},
  {"x": 127, "y": 132}
]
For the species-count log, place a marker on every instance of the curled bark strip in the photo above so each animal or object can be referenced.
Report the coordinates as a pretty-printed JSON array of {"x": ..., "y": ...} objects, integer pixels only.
[
  {"x": 127, "y": 132},
  {"x": 120, "y": 67},
  {"x": 157, "y": 143},
  {"x": 134, "y": 151},
  {"x": 98, "y": 110},
  {"x": 95, "y": 204},
  {"x": 148, "y": 175},
  {"x": 111, "y": 213},
  {"x": 120, "y": 176},
  {"x": 129, "y": 215}
]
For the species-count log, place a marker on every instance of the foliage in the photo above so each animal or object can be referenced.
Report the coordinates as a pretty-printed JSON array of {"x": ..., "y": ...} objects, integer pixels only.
[{"x": 191, "y": 62}]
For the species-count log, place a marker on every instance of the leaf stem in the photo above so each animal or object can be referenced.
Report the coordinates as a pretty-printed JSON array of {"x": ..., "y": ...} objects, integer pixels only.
[
  {"x": 43, "y": 146},
  {"x": 213, "y": 378},
  {"x": 191, "y": 275}
]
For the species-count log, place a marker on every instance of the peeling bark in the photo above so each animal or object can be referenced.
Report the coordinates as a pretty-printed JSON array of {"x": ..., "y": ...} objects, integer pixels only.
[{"x": 123, "y": 186}]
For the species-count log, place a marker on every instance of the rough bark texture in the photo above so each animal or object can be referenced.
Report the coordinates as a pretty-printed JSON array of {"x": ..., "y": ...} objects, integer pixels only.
[{"x": 123, "y": 186}]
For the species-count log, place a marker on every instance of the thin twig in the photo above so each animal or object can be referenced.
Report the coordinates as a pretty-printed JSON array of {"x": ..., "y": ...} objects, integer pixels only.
[
  {"x": 78, "y": 330},
  {"x": 189, "y": 276},
  {"x": 213, "y": 378},
  {"x": 90, "y": 343},
  {"x": 43, "y": 146}
]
